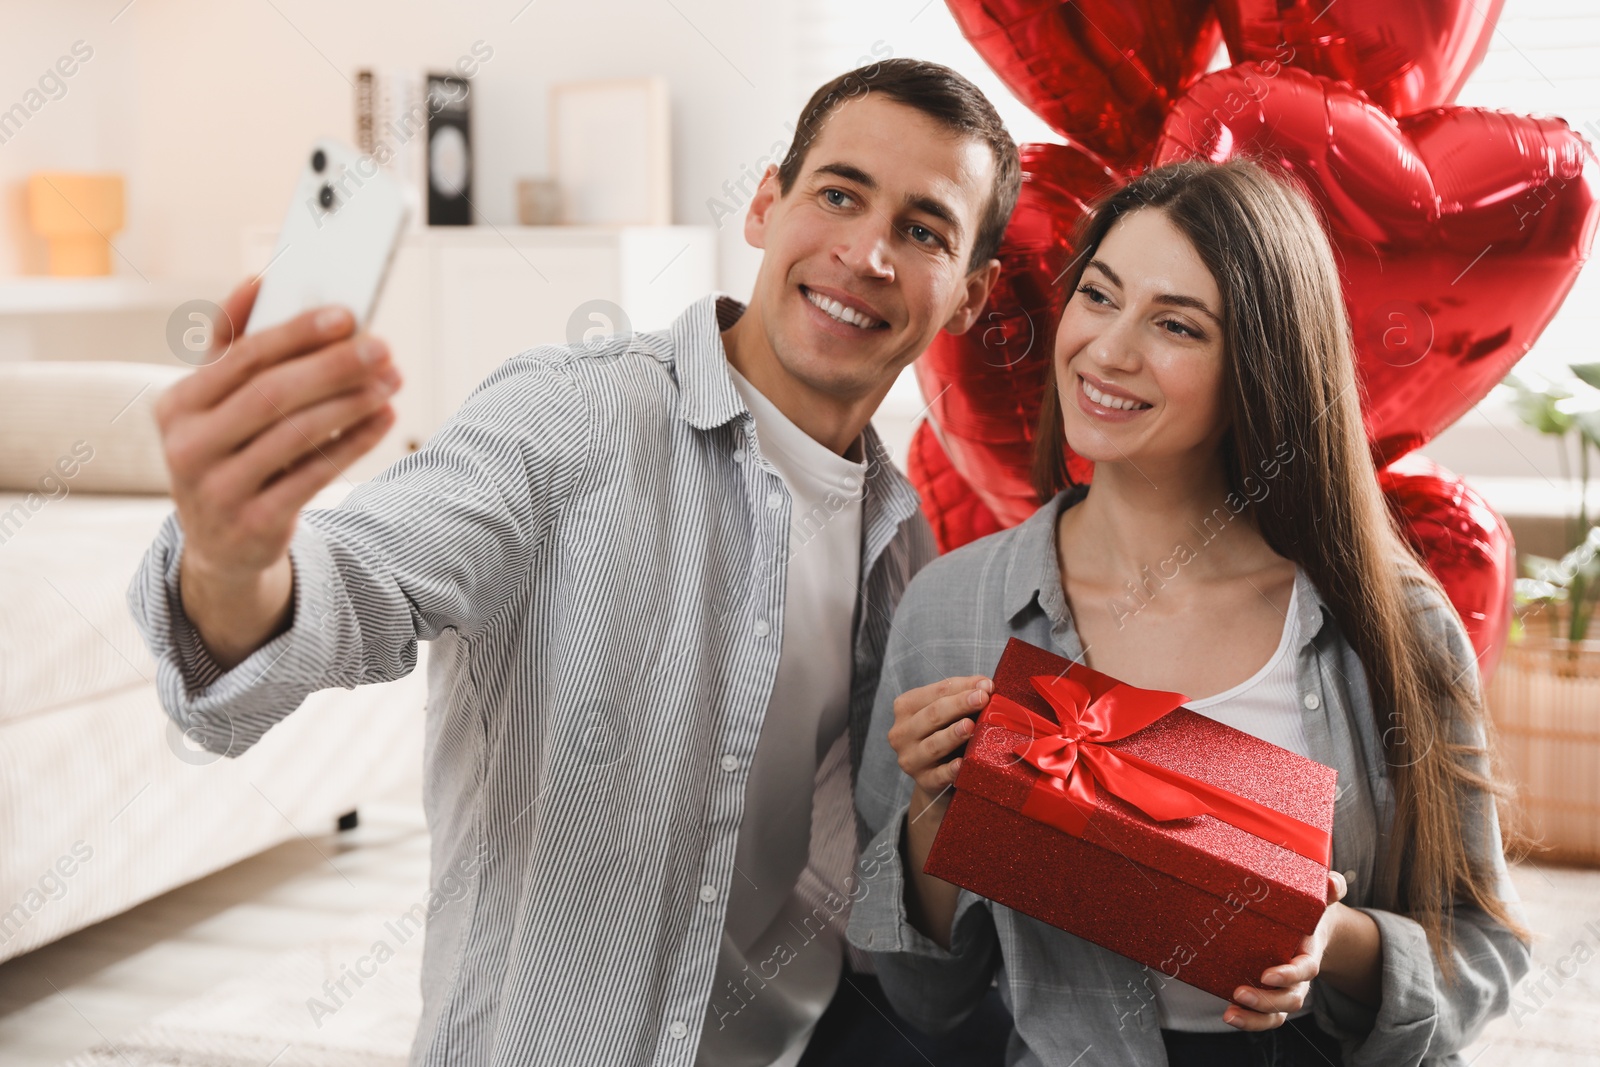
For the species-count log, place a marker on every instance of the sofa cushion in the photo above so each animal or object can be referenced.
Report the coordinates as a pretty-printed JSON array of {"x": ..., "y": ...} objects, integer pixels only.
[
  {"x": 82, "y": 427},
  {"x": 65, "y": 564}
]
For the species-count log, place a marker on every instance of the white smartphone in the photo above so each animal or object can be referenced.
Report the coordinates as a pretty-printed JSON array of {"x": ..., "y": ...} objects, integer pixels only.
[{"x": 337, "y": 240}]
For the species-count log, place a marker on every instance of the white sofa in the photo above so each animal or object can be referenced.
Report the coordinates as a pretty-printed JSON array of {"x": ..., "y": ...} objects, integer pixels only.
[{"x": 103, "y": 803}]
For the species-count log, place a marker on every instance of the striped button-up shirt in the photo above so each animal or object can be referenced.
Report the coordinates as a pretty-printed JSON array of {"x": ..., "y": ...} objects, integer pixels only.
[{"x": 593, "y": 543}]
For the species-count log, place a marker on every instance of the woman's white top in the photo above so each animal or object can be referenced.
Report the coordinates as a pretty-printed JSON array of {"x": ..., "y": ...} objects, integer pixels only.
[{"x": 1267, "y": 705}]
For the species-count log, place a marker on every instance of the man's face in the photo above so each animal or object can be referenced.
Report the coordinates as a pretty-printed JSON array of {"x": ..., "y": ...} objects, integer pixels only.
[{"x": 881, "y": 219}]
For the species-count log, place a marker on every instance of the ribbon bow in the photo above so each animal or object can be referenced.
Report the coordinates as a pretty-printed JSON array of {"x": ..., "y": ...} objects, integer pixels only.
[{"x": 1073, "y": 756}]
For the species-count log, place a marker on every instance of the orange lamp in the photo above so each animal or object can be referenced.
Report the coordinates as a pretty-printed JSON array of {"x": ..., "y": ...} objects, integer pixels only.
[{"x": 77, "y": 214}]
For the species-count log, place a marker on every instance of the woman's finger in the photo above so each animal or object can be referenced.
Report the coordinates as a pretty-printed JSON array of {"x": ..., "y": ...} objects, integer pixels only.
[
  {"x": 1302, "y": 968},
  {"x": 913, "y": 701},
  {"x": 948, "y": 710},
  {"x": 940, "y": 745},
  {"x": 1272, "y": 1001},
  {"x": 1245, "y": 1019}
]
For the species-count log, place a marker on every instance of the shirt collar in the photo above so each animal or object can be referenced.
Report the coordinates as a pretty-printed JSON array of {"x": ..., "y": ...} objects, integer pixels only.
[
  {"x": 708, "y": 396},
  {"x": 709, "y": 399},
  {"x": 1034, "y": 570}
]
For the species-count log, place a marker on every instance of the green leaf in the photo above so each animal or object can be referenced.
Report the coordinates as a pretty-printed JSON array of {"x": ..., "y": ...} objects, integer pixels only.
[
  {"x": 1537, "y": 408},
  {"x": 1588, "y": 423},
  {"x": 1587, "y": 373},
  {"x": 1532, "y": 591},
  {"x": 1544, "y": 569}
]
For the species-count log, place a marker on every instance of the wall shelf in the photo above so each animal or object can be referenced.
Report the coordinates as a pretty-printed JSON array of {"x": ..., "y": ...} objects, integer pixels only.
[{"x": 57, "y": 296}]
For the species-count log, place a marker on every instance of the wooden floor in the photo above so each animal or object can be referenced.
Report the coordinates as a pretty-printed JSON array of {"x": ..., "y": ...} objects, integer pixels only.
[{"x": 89, "y": 988}]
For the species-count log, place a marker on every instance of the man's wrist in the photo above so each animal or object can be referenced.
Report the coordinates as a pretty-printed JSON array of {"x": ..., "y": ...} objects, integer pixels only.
[{"x": 235, "y": 612}]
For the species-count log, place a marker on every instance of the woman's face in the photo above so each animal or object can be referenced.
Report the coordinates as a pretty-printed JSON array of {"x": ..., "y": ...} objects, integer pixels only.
[{"x": 1139, "y": 350}]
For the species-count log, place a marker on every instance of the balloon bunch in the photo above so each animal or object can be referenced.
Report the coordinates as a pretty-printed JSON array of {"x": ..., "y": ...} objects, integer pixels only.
[{"x": 1459, "y": 231}]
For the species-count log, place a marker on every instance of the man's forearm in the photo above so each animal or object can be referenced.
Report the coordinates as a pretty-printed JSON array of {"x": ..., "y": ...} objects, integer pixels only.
[{"x": 236, "y": 614}]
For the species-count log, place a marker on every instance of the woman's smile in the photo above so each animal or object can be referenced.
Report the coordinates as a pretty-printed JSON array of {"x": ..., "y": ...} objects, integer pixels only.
[{"x": 1096, "y": 400}]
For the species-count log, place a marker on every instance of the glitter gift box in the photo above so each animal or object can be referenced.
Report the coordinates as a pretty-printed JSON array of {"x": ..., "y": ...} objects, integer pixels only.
[{"x": 1117, "y": 815}]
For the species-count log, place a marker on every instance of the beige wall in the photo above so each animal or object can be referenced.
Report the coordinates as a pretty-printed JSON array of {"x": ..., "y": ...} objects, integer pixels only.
[{"x": 207, "y": 106}]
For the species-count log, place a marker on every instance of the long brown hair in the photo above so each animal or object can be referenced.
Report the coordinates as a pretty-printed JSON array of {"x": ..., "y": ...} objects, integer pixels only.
[{"x": 1290, "y": 377}]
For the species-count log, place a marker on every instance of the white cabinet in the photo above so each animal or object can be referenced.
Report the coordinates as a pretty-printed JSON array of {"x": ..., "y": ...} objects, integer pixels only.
[{"x": 460, "y": 301}]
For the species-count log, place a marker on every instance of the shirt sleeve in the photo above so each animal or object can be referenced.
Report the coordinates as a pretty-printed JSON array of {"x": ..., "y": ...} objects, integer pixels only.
[
  {"x": 1422, "y": 1015},
  {"x": 443, "y": 538},
  {"x": 934, "y": 988}
]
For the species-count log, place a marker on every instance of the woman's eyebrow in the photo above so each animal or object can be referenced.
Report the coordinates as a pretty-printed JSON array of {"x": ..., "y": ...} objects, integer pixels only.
[{"x": 1171, "y": 299}]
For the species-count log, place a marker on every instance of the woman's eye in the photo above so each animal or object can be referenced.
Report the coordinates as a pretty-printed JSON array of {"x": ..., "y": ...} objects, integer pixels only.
[
  {"x": 1095, "y": 296},
  {"x": 1174, "y": 326}
]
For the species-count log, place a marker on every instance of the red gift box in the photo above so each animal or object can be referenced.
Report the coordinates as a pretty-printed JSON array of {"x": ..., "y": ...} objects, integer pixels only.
[{"x": 1117, "y": 815}]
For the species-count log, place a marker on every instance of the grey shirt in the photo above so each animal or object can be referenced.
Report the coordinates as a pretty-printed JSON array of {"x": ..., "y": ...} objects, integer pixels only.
[
  {"x": 594, "y": 544},
  {"x": 1077, "y": 1003}
]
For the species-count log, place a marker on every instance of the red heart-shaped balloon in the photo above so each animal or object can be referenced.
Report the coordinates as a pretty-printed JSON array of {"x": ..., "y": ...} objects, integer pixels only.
[
  {"x": 1102, "y": 73},
  {"x": 1466, "y": 544},
  {"x": 1406, "y": 56},
  {"x": 984, "y": 386},
  {"x": 953, "y": 509},
  {"x": 1459, "y": 231}
]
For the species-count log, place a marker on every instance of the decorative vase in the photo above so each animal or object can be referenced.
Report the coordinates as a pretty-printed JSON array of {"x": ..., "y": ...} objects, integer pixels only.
[{"x": 1545, "y": 701}]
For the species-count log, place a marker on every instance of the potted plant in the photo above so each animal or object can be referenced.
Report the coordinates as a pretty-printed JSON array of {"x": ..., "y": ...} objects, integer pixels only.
[{"x": 1545, "y": 695}]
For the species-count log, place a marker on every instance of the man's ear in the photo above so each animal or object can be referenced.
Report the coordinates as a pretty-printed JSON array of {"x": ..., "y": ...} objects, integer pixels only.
[
  {"x": 755, "y": 219},
  {"x": 979, "y": 283}
]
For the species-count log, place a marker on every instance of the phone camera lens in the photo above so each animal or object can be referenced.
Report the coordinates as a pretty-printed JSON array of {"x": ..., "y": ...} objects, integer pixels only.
[
  {"x": 325, "y": 197},
  {"x": 319, "y": 160}
]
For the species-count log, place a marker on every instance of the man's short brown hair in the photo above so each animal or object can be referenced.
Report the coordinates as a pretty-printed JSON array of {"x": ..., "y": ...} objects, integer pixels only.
[{"x": 948, "y": 98}]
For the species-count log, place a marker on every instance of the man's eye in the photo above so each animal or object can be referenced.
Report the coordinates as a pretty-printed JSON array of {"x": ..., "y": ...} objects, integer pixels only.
[
  {"x": 914, "y": 229},
  {"x": 836, "y": 192}
]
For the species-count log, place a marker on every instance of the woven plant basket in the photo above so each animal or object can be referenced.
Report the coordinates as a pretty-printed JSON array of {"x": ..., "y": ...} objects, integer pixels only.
[{"x": 1545, "y": 700}]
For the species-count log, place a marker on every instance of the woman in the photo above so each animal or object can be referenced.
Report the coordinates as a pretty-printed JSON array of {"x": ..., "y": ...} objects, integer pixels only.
[{"x": 1233, "y": 546}]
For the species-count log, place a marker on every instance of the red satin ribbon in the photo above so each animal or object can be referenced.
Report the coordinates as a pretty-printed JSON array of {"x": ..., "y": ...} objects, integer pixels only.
[{"x": 1073, "y": 756}]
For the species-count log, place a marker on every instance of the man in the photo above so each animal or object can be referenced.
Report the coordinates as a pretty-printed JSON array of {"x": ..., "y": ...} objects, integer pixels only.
[{"x": 658, "y": 574}]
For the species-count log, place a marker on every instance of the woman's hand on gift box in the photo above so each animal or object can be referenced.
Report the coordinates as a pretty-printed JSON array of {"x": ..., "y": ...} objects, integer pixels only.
[
  {"x": 931, "y": 723},
  {"x": 1341, "y": 948}
]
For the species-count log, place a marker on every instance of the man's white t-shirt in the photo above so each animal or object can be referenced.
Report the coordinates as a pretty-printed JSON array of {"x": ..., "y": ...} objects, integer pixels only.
[{"x": 780, "y": 957}]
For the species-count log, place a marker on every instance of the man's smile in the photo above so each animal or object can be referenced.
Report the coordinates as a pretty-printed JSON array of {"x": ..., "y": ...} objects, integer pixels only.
[{"x": 842, "y": 310}]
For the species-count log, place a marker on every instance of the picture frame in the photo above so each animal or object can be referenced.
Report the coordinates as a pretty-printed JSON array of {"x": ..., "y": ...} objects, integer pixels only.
[{"x": 610, "y": 151}]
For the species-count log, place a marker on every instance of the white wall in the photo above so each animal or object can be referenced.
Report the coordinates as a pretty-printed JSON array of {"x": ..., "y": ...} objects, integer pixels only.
[
  {"x": 91, "y": 126},
  {"x": 206, "y": 107}
]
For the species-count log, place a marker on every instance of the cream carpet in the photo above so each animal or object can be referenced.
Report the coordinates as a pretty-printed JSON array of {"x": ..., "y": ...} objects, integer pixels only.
[{"x": 285, "y": 1016}]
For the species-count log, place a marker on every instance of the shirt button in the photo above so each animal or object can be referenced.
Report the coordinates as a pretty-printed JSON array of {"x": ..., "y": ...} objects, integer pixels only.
[
  {"x": 761, "y": 628},
  {"x": 738, "y": 455},
  {"x": 774, "y": 500},
  {"x": 1349, "y": 877},
  {"x": 730, "y": 763},
  {"x": 708, "y": 893},
  {"x": 1313, "y": 701},
  {"x": 678, "y": 1030}
]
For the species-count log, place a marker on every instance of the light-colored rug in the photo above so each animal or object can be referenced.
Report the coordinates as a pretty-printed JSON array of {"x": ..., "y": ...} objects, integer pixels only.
[{"x": 295, "y": 1012}]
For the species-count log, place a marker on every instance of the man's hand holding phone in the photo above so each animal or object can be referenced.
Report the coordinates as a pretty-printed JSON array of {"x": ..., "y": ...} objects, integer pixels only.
[{"x": 249, "y": 439}]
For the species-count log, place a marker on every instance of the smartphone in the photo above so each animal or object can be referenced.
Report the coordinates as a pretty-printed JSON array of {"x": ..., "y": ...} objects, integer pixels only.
[{"x": 337, "y": 239}]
